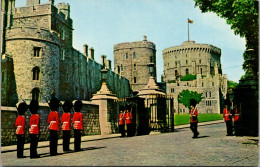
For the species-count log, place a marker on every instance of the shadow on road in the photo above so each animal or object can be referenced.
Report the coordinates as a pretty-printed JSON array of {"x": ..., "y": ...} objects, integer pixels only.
[
  {"x": 201, "y": 137},
  {"x": 84, "y": 149}
]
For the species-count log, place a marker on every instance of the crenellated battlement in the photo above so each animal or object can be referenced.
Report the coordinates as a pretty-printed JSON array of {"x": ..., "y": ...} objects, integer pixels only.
[
  {"x": 137, "y": 44},
  {"x": 34, "y": 34}
]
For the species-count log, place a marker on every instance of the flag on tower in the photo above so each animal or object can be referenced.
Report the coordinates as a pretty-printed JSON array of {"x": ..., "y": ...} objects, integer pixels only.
[{"x": 190, "y": 21}]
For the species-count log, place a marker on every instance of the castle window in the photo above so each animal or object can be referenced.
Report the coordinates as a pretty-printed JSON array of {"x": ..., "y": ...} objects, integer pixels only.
[
  {"x": 63, "y": 54},
  {"x": 35, "y": 94},
  {"x": 36, "y": 73},
  {"x": 172, "y": 90},
  {"x": 187, "y": 71},
  {"x": 212, "y": 83},
  {"x": 134, "y": 79},
  {"x": 151, "y": 59},
  {"x": 200, "y": 61},
  {"x": 122, "y": 68},
  {"x": 209, "y": 94},
  {"x": 176, "y": 72},
  {"x": 206, "y": 94},
  {"x": 134, "y": 66},
  {"x": 36, "y": 52},
  {"x": 126, "y": 56},
  {"x": 134, "y": 55},
  {"x": 175, "y": 63},
  {"x": 200, "y": 70},
  {"x": 186, "y": 61},
  {"x": 202, "y": 84},
  {"x": 118, "y": 69},
  {"x": 3, "y": 76}
]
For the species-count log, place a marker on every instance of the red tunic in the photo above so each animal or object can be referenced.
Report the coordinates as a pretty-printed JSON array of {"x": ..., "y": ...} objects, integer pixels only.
[
  {"x": 66, "y": 121},
  {"x": 34, "y": 124},
  {"x": 20, "y": 125},
  {"x": 127, "y": 117},
  {"x": 193, "y": 113},
  {"x": 226, "y": 114},
  {"x": 121, "y": 119},
  {"x": 236, "y": 115},
  {"x": 53, "y": 120},
  {"x": 77, "y": 120}
]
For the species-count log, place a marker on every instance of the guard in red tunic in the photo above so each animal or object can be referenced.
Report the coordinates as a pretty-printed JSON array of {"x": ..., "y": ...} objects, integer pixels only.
[
  {"x": 66, "y": 123},
  {"x": 128, "y": 120},
  {"x": 236, "y": 118},
  {"x": 122, "y": 123},
  {"x": 34, "y": 129},
  {"x": 227, "y": 118},
  {"x": 194, "y": 118},
  {"x": 77, "y": 124},
  {"x": 20, "y": 129},
  {"x": 53, "y": 121}
]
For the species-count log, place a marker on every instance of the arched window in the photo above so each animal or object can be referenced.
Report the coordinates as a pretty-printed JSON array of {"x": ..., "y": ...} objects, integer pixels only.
[
  {"x": 187, "y": 71},
  {"x": 35, "y": 94},
  {"x": 176, "y": 72},
  {"x": 134, "y": 55},
  {"x": 36, "y": 73}
]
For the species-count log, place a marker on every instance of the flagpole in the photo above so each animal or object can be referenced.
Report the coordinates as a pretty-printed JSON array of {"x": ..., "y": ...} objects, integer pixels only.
[{"x": 188, "y": 31}]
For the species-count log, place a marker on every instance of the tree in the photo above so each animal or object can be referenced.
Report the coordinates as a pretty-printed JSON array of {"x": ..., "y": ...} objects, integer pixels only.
[
  {"x": 243, "y": 16},
  {"x": 232, "y": 84},
  {"x": 185, "y": 96}
]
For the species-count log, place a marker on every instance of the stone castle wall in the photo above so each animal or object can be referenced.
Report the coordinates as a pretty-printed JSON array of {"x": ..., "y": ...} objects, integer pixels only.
[
  {"x": 63, "y": 69},
  {"x": 132, "y": 61},
  {"x": 9, "y": 114}
]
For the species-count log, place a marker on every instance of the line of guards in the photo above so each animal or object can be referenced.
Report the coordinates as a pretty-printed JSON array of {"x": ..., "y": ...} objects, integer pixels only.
[{"x": 53, "y": 122}]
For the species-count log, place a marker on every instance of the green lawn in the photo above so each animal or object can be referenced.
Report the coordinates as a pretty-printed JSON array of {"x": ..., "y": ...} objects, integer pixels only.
[{"x": 180, "y": 119}]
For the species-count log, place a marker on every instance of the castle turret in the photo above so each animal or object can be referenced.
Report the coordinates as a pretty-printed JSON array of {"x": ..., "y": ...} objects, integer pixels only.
[
  {"x": 33, "y": 2},
  {"x": 64, "y": 8},
  {"x": 91, "y": 54},
  {"x": 85, "y": 50}
]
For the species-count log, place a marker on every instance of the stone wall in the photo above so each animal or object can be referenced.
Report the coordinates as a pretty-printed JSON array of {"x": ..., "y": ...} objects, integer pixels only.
[{"x": 9, "y": 114}]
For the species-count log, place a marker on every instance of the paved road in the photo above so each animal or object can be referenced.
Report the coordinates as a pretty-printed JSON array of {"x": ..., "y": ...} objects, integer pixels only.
[{"x": 213, "y": 148}]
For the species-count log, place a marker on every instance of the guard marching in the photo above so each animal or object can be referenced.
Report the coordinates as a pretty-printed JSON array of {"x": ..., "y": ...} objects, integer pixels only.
[
  {"x": 78, "y": 124},
  {"x": 66, "y": 123},
  {"x": 20, "y": 129},
  {"x": 53, "y": 121},
  {"x": 122, "y": 123},
  {"x": 227, "y": 118},
  {"x": 194, "y": 118},
  {"x": 34, "y": 130}
]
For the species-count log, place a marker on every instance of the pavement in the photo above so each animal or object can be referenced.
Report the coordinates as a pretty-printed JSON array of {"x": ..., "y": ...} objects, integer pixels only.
[{"x": 212, "y": 148}]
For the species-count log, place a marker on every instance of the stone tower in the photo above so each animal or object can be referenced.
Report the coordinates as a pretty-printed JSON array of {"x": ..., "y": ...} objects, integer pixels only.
[
  {"x": 135, "y": 61},
  {"x": 42, "y": 36}
]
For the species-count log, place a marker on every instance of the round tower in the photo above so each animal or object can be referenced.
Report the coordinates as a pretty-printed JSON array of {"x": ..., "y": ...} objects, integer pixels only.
[
  {"x": 36, "y": 55},
  {"x": 191, "y": 58},
  {"x": 135, "y": 61}
]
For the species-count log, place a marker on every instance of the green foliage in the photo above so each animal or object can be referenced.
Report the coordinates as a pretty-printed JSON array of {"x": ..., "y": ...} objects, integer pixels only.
[
  {"x": 181, "y": 119},
  {"x": 172, "y": 81},
  {"x": 242, "y": 15},
  {"x": 185, "y": 96},
  {"x": 188, "y": 77},
  {"x": 232, "y": 84}
]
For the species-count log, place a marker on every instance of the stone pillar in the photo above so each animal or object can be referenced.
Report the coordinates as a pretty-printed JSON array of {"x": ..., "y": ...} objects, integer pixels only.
[
  {"x": 103, "y": 61},
  {"x": 108, "y": 109},
  {"x": 85, "y": 47},
  {"x": 91, "y": 54}
]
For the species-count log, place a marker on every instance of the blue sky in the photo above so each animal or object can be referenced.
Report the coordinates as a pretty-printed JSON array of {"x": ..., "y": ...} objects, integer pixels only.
[{"x": 103, "y": 23}]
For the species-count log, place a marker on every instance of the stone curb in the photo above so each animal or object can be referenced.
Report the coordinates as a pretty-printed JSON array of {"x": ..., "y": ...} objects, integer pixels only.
[{"x": 42, "y": 144}]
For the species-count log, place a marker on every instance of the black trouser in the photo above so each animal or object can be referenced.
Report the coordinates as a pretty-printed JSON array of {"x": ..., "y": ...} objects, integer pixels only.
[
  {"x": 194, "y": 127},
  {"x": 77, "y": 139},
  {"x": 229, "y": 127},
  {"x": 122, "y": 130},
  {"x": 20, "y": 145},
  {"x": 53, "y": 142},
  {"x": 34, "y": 144},
  {"x": 66, "y": 140},
  {"x": 129, "y": 130}
]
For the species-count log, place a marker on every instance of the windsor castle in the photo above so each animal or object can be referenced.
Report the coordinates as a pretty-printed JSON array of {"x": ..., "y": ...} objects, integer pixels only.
[{"x": 37, "y": 58}]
